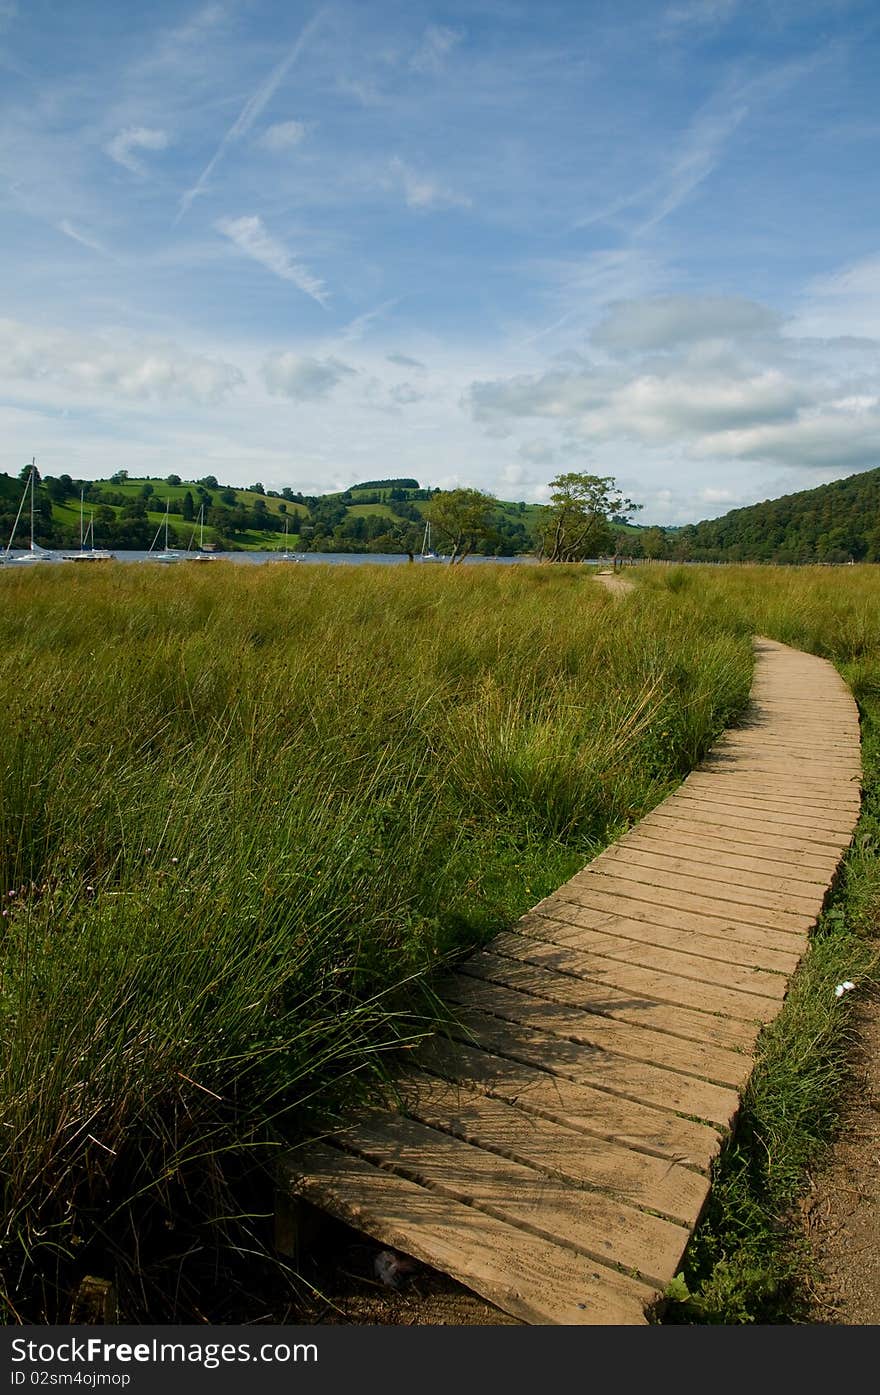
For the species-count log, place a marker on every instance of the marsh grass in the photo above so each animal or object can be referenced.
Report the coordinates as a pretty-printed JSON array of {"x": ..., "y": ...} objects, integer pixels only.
[{"x": 245, "y": 814}]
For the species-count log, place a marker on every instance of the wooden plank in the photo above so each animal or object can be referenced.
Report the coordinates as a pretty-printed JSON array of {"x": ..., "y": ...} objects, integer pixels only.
[
  {"x": 531, "y": 1201},
  {"x": 605, "y": 1068},
  {"x": 804, "y": 896},
  {"x": 631, "y": 939},
  {"x": 601, "y": 911},
  {"x": 748, "y": 832},
  {"x": 516, "y": 1037},
  {"x": 818, "y": 823},
  {"x": 724, "y": 853},
  {"x": 624, "y": 883},
  {"x": 624, "y": 862},
  {"x": 578, "y": 958},
  {"x": 636, "y": 1178},
  {"x": 528, "y": 1277},
  {"x": 564, "y": 1000},
  {"x": 547, "y": 1092}
]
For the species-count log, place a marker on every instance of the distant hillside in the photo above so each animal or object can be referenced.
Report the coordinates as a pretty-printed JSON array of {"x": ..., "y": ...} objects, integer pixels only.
[
  {"x": 376, "y": 516},
  {"x": 832, "y": 523}
]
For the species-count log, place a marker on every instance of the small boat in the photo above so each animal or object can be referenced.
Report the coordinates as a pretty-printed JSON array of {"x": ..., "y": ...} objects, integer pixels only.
[
  {"x": 286, "y": 555},
  {"x": 427, "y": 553},
  {"x": 35, "y": 553},
  {"x": 168, "y": 554},
  {"x": 87, "y": 550},
  {"x": 199, "y": 554}
]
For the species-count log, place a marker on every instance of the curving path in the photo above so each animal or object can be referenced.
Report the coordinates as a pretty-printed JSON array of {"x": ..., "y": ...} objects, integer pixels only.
[{"x": 553, "y": 1152}]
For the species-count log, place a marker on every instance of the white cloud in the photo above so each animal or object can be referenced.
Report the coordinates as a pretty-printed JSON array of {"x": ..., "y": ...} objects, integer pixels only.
[
  {"x": 668, "y": 321},
  {"x": 820, "y": 440},
  {"x": 705, "y": 377},
  {"x": 283, "y": 136},
  {"x": 123, "y": 145},
  {"x": 302, "y": 377},
  {"x": 250, "y": 237},
  {"x": 421, "y": 191},
  {"x": 93, "y": 366},
  {"x": 437, "y": 42}
]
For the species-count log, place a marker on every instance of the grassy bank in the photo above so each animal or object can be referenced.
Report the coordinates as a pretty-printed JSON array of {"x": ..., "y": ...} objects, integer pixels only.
[
  {"x": 245, "y": 813},
  {"x": 748, "y": 1262}
]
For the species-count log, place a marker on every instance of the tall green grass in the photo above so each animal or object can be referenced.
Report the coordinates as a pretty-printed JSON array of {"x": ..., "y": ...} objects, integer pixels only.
[{"x": 244, "y": 814}]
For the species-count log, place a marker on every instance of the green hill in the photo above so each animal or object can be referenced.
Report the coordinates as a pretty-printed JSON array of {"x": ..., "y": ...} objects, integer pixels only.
[
  {"x": 832, "y": 523},
  {"x": 377, "y": 516}
]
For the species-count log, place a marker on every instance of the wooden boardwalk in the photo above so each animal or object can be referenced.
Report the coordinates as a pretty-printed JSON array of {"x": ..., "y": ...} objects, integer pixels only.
[{"x": 553, "y": 1152}]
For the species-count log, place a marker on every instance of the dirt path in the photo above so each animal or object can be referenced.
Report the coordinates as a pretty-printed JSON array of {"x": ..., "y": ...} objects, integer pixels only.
[{"x": 841, "y": 1212}]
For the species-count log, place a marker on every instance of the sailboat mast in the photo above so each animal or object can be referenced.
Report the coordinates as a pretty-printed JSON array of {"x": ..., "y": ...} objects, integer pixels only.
[
  {"x": 167, "y": 507},
  {"x": 33, "y": 472},
  {"x": 82, "y": 495}
]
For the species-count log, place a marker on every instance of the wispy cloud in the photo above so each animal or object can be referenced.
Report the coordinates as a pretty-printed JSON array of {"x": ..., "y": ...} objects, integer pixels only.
[
  {"x": 283, "y": 136},
  {"x": 250, "y": 112},
  {"x": 82, "y": 238},
  {"x": 421, "y": 191},
  {"x": 123, "y": 145},
  {"x": 357, "y": 328},
  {"x": 699, "y": 13},
  {"x": 250, "y": 237},
  {"x": 436, "y": 43}
]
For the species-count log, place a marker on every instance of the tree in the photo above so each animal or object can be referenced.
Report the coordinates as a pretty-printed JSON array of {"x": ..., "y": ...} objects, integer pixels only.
[
  {"x": 654, "y": 543},
  {"x": 120, "y": 477},
  {"x": 173, "y": 480},
  {"x": 209, "y": 482},
  {"x": 463, "y": 518},
  {"x": 576, "y": 523},
  {"x": 188, "y": 509}
]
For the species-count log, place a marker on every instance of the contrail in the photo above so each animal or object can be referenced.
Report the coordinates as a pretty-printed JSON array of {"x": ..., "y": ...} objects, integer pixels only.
[{"x": 249, "y": 113}]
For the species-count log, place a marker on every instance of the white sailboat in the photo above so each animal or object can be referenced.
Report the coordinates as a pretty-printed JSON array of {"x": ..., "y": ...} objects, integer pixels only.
[
  {"x": 200, "y": 555},
  {"x": 87, "y": 550},
  {"x": 427, "y": 553},
  {"x": 168, "y": 554},
  {"x": 286, "y": 555},
  {"x": 35, "y": 553}
]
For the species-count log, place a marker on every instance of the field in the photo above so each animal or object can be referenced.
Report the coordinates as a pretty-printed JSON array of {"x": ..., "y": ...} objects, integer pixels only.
[{"x": 243, "y": 819}]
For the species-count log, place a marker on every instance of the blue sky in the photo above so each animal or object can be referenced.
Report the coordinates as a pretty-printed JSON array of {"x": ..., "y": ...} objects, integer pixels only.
[{"x": 477, "y": 243}]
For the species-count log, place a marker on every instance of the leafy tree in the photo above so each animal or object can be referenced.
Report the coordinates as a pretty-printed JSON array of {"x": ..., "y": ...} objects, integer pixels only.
[
  {"x": 228, "y": 497},
  {"x": 173, "y": 480},
  {"x": 463, "y": 518},
  {"x": 654, "y": 543},
  {"x": 576, "y": 523},
  {"x": 120, "y": 477},
  {"x": 209, "y": 482},
  {"x": 188, "y": 509},
  {"x": 147, "y": 489}
]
